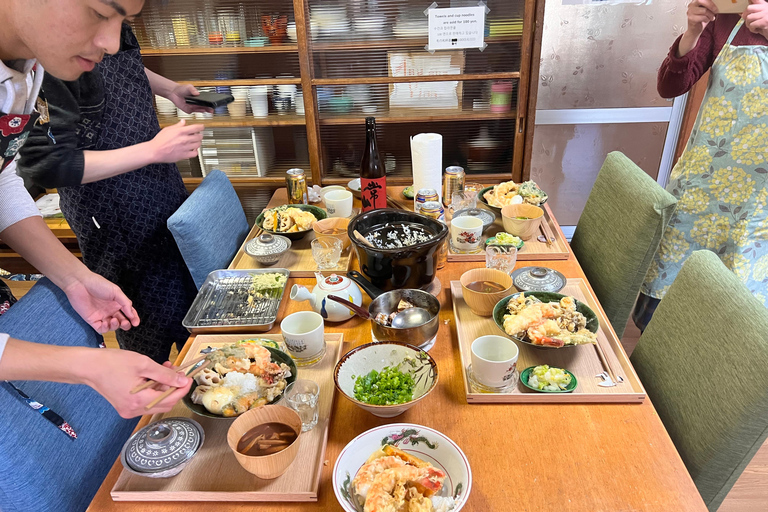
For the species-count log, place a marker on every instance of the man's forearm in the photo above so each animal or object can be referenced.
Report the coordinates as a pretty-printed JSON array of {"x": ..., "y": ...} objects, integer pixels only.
[
  {"x": 100, "y": 165},
  {"x": 35, "y": 242},
  {"x": 160, "y": 85},
  {"x": 23, "y": 360}
]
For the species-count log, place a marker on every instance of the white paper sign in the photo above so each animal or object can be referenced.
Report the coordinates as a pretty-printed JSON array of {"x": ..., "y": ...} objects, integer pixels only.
[{"x": 456, "y": 28}]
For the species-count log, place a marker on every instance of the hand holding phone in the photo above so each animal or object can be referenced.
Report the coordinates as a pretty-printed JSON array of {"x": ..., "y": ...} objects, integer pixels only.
[
  {"x": 210, "y": 99},
  {"x": 731, "y": 6}
]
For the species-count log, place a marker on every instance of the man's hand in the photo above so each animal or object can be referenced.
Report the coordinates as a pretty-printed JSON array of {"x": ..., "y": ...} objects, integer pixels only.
[
  {"x": 101, "y": 303},
  {"x": 756, "y": 17},
  {"x": 179, "y": 92},
  {"x": 114, "y": 373},
  {"x": 176, "y": 142}
]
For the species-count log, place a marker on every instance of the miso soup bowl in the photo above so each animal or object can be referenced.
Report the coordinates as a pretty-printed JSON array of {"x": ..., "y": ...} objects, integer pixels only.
[
  {"x": 273, "y": 465},
  {"x": 479, "y": 303}
]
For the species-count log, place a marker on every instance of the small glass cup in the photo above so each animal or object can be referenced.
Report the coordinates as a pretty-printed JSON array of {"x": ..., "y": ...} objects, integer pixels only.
[
  {"x": 501, "y": 257},
  {"x": 463, "y": 199},
  {"x": 472, "y": 187},
  {"x": 302, "y": 396},
  {"x": 326, "y": 251}
]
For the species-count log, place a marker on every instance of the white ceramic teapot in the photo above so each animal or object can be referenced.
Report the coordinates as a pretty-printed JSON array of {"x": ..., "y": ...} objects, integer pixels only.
[{"x": 334, "y": 285}]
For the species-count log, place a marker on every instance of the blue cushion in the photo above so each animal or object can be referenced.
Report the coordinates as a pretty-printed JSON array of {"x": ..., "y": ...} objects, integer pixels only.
[
  {"x": 209, "y": 227},
  {"x": 41, "y": 468}
]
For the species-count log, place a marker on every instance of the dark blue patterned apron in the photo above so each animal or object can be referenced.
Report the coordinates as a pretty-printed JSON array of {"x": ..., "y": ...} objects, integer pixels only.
[{"x": 120, "y": 222}]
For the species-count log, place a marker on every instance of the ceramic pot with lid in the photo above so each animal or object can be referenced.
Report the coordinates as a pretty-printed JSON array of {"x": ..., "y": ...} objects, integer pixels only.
[
  {"x": 267, "y": 248},
  {"x": 390, "y": 268},
  {"x": 333, "y": 284},
  {"x": 163, "y": 448}
]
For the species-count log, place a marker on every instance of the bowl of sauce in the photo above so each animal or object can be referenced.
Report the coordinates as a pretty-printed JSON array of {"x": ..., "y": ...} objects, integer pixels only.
[
  {"x": 265, "y": 440},
  {"x": 482, "y": 288}
]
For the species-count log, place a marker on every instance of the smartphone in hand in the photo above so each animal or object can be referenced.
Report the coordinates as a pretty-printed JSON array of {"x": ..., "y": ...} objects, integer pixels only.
[
  {"x": 210, "y": 99},
  {"x": 731, "y": 6}
]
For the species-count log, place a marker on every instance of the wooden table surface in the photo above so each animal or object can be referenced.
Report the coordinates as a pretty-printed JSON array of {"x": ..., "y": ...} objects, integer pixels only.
[{"x": 609, "y": 457}]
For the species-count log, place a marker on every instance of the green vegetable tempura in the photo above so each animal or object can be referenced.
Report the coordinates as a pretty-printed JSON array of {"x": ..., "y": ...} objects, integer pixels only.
[{"x": 388, "y": 387}]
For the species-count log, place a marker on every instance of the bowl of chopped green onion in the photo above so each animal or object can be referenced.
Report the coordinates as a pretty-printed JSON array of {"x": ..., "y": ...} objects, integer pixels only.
[{"x": 385, "y": 378}]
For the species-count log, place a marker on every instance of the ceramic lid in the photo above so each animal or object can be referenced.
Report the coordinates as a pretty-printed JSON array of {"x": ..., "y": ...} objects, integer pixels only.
[
  {"x": 538, "y": 279},
  {"x": 485, "y": 215},
  {"x": 334, "y": 282},
  {"x": 163, "y": 445},
  {"x": 267, "y": 244}
]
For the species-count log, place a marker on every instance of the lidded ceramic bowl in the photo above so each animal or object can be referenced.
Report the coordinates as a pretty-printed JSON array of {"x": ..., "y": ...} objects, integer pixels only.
[
  {"x": 163, "y": 448},
  {"x": 538, "y": 279},
  {"x": 267, "y": 248}
]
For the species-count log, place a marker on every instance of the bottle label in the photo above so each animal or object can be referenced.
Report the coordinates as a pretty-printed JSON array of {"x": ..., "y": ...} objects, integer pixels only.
[{"x": 374, "y": 193}]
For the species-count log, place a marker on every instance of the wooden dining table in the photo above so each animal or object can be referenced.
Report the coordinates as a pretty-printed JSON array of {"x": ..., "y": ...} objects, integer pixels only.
[{"x": 528, "y": 456}]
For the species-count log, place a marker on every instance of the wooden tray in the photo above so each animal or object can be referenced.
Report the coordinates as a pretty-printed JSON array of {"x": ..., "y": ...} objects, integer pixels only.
[
  {"x": 215, "y": 475},
  {"x": 298, "y": 259},
  {"x": 532, "y": 250},
  {"x": 582, "y": 361}
]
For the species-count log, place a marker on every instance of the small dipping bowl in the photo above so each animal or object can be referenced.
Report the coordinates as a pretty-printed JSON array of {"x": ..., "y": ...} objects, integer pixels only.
[
  {"x": 273, "y": 465},
  {"x": 479, "y": 303}
]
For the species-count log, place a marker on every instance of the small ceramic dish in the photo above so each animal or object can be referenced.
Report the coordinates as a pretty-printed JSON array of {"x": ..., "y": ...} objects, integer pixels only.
[
  {"x": 360, "y": 361},
  {"x": 422, "y": 442},
  {"x": 354, "y": 187},
  {"x": 318, "y": 212},
  {"x": 492, "y": 241},
  {"x": 278, "y": 356},
  {"x": 486, "y": 216},
  {"x": 501, "y": 309},
  {"x": 267, "y": 248},
  {"x": 527, "y": 374},
  {"x": 408, "y": 192}
]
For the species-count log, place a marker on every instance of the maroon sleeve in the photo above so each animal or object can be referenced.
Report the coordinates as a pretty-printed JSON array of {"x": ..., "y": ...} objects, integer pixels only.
[{"x": 678, "y": 74}]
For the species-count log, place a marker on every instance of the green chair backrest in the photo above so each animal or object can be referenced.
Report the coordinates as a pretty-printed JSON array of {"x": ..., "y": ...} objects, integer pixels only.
[
  {"x": 703, "y": 361},
  {"x": 619, "y": 232}
]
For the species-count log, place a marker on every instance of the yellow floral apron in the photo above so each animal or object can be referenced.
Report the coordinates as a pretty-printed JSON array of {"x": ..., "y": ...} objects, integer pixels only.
[{"x": 720, "y": 180}]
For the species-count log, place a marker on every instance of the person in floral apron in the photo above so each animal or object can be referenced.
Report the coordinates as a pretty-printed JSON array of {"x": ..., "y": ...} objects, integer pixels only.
[{"x": 720, "y": 180}]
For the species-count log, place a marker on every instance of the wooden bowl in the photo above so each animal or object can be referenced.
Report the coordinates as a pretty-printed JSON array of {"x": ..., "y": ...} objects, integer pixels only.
[
  {"x": 275, "y": 464},
  {"x": 523, "y": 228},
  {"x": 482, "y": 304},
  {"x": 326, "y": 226}
]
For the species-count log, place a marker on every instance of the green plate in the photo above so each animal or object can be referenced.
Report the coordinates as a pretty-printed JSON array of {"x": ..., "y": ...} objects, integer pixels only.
[
  {"x": 278, "y": 356},
  {"x": 527, "y": 372},
  {"x": 408, "y": 192},
  {"x": 318, "y": 212},
  {"x": 492, "y": 241},
  {"x": 501, "y": 309},
  {"x": 481, "y": 198}
]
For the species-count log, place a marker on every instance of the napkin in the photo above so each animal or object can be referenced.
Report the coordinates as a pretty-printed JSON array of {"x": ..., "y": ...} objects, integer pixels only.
[
  {"x": 313, "y": 194},
  {"x": 427, "y": 162}
]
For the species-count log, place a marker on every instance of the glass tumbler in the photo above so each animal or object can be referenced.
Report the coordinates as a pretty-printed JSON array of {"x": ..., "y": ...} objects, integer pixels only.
[
  {"x": 461, "y": 200},
  {"x": 501, "y": 257},
  {"x": 302, "y": 396},
  {"x": 326, "y": 252}
]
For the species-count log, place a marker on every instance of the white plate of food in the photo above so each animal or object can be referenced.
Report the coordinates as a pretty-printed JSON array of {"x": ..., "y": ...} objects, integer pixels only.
[{"x": 376, "y": 465}]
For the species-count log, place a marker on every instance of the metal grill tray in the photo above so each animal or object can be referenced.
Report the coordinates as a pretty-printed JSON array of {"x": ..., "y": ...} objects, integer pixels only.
[{"x": 221, "y": 305}]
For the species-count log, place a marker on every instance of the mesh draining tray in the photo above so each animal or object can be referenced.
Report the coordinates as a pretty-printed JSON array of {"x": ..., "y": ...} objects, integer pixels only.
[{"x": 222, "y": 305}]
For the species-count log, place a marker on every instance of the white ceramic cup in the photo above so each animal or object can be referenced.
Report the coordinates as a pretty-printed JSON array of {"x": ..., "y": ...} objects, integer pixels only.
[
  {"x": 339, "y": 203},
  {"x": 494, "y": 360},
  {"x": 466, "y": 234},
  {"x": 330, "y": 188},
  {"x": 259, "y": 101},
  {"x": 165, "y": 107},
  {"x": 304, "y": 335}
]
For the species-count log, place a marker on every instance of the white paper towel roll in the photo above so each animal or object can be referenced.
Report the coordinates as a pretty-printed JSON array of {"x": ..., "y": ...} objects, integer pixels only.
[{"x": 427, "y": 162}]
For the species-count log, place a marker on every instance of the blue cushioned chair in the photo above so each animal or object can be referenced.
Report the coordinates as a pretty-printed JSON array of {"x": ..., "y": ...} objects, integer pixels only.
[
  {"x": 41, "y": 468},
  {"x": 209, "y": 227}
]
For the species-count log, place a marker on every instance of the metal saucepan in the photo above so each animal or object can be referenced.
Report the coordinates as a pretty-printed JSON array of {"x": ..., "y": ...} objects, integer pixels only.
[{"x": 386, "y": 302}]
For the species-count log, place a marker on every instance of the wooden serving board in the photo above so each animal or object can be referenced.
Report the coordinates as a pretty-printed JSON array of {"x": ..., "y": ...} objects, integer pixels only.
[
  {"x": 214, "y": 474},
  {"x": 583, "y": 361},
  {"x": 532, "y": 249},
  {"x": 298, "y": 259}
]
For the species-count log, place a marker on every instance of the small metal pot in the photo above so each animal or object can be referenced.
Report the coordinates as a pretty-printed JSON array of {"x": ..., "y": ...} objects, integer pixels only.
[{"x": 386, "y": 302}]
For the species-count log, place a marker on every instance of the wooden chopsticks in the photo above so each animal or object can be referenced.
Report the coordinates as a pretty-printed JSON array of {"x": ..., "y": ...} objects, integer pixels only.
[
  {"x": 170, "y": 390},
  {"x": 394, "y": 204},
  {"x": 151, "y": 382},
  {"x": 604, "y": 362}
]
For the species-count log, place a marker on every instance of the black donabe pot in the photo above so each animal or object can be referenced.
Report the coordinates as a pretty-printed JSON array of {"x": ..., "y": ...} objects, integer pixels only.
[{"x": 414, "y": 266}]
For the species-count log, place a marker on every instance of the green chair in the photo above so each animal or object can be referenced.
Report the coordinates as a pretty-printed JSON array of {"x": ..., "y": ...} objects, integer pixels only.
[
  {"x": 619, "y": 232},
  {"x": 703, "y": 360}
]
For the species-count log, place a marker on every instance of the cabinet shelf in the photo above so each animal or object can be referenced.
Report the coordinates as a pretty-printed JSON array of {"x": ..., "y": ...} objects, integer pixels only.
[
  {"x": 394, "y": 42},
  {"x": 245, "y": 82},
  {"x": 510, "y": 75},
  {"x": 235, "y": 122},
  {"x": 417, "y": 116},
  {"x": 219, "y": 50}
]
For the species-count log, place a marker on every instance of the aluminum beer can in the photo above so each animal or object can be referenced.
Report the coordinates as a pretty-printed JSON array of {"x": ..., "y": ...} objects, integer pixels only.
[
  {"x": 296, "y": 184},
  {"x": 453, "y": 181},
  {"x": 435, "y": 210},
  {"x": 425, "y": 195}
]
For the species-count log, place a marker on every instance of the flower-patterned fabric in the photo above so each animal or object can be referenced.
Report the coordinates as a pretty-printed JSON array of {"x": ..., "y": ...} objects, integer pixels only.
[{"x": 720, "y": 180}]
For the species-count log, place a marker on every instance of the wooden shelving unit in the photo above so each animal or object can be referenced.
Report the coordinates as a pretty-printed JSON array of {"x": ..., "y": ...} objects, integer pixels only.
[{"x": 333, "y": 63}]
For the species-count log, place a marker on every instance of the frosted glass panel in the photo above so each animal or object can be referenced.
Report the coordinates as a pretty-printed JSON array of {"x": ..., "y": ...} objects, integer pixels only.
[
  {"x": 606, "y": 56},
  {"x": 567, "y": 158}
]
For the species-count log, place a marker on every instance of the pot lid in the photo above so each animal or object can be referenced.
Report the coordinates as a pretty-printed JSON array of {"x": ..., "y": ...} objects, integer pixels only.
[
  {"x": 163, "y": 445},
  {"x": 334, "y": 282},
  {"x": 538, "y": 279},
  {"x": 267, "y": 244},
  {"x": 487, "y": 216}
]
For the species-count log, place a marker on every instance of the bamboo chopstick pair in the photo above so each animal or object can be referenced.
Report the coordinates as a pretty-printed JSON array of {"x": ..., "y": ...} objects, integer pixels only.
[{"x": 192, "y": 370}]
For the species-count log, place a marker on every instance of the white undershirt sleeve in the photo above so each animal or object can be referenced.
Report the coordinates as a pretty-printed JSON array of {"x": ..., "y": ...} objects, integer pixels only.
[{"x": 15, "y": 202}]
